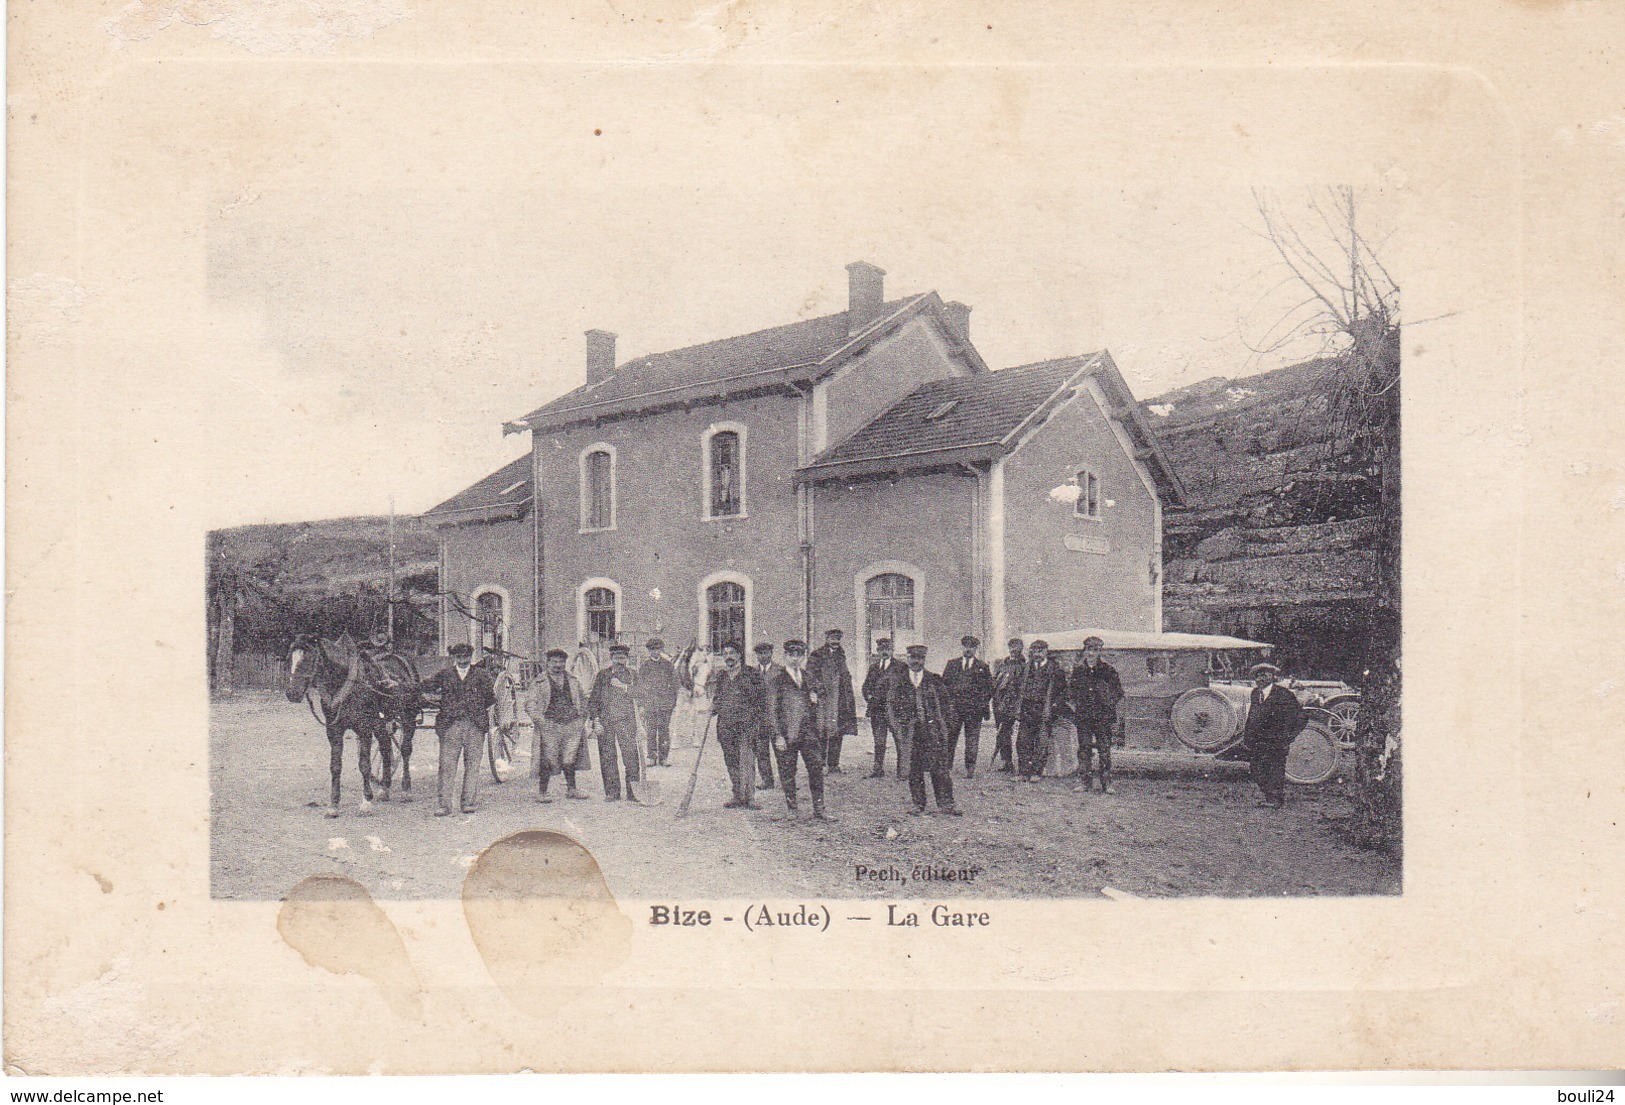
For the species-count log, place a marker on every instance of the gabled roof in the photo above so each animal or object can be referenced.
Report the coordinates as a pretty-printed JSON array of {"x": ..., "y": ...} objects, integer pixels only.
[
  {"x": 505, "y": 493},
  {"x": 798, "y": 352},
  {"x": 986, "y": 416},
  {"x": 987, "y": 408}
]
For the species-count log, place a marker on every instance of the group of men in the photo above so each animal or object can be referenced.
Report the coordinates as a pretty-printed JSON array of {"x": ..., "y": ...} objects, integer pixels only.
[
  {"x": 1032, "y": 691},
  {"x": 1024, "y": 695},
  {"x": 777, "y": 720},
  {"x": 471, "y": 698}
]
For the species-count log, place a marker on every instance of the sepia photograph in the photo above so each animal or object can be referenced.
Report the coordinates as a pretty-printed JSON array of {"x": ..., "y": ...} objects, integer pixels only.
[
  {"x": 827, "y": 539},
  {"x": 783, "y": 611}
]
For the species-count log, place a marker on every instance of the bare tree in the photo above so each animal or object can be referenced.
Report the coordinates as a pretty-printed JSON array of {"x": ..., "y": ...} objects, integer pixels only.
[
  {"x": 1348, "y": 302},
  {"x": 232, "y": 581}
]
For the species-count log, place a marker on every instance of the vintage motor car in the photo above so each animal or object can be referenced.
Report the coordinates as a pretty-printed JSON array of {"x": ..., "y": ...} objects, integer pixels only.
[{"x": 1190, "y": 690}]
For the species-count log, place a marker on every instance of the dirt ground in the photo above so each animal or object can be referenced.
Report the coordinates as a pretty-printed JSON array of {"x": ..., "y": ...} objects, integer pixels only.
[{"x": 1179, "y": 825}]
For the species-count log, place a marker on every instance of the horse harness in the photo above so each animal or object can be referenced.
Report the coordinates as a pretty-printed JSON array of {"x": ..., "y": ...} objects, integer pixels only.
[{"x": 352, "y": 677}]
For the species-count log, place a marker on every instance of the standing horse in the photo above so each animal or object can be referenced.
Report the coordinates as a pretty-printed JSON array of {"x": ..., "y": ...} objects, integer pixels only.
[{"x": 354, "y": 699}]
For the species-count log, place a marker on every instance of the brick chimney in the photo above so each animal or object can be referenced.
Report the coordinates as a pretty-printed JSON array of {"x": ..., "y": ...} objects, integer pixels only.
[
  {"x": 866, "y": 291},
  {"x": 958, "y": 319},
  {"x": 600, "y": 355}
]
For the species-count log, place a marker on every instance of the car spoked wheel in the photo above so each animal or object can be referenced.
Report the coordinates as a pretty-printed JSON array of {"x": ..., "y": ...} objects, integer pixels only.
[{"x": 1344, "y": 717}]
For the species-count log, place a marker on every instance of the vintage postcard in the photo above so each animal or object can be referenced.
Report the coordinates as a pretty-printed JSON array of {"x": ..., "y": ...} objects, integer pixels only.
[{"x": 837, "y": 539}]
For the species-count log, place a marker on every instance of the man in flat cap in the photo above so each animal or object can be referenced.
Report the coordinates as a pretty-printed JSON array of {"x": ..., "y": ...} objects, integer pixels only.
[
  {"x": 793, "y": 706},
  {"x": 1007, "y": 704},
  {"x": 466, "y": 698},
  {"x": 1274, "y": 720},
  {"x": 739, "y": 703},
  {"x": 921, "y": 708},
  {"x": 765, "y": 664},
  {"x": 837, "y": 705},
  {"x": 557, "y": 706},
  {"x": 876, "y": 693},
  {"x": 656, "y": 692},
  {"x": 613, "y": 709},
  {"x": 767, "y": 669},
  {"x": 970, "y": 686},
  {"x": 1043, "y": 699},
  {"x": 1096, "y": 692}
]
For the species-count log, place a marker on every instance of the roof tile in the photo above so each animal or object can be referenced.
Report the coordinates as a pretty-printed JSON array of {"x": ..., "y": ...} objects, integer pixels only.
[
  {"x": 986, "y": 408},
  {"x": 795, "y": 343},
  {"x": 514, "y": 479}
]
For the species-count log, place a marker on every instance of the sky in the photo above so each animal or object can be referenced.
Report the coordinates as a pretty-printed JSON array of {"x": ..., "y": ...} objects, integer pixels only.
[{"x": 396, "y": 266}]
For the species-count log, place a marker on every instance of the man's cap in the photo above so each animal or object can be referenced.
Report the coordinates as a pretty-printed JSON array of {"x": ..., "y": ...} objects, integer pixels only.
[
  {"x": 620, "y": 650},
  {"x": 460, "y": 650},
  {"x": 971, "y": 641},
  {"x": 1015, "y": 642},
  {"x": 735, "y": 645},
  {"x": 1258, "y": 669},
  {"x": 834, "y": 633},
  {"x": 795, "y": 646},
  {"x": 765, "y": 646},
  {"x": 916, "y": 650},
  {"x": 655, "y": 643},
  {"x": 1093, "y": 642},
  {"x": 557, "y": 654},
  {"x": 1040, "y": 643}
]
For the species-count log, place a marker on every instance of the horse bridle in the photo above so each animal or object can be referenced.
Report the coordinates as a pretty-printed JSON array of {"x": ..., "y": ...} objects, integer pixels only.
[{"x": 319, "y": 646}]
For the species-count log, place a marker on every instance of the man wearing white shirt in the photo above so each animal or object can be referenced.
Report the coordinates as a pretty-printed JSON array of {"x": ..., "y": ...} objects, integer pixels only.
[
  {"x": 920, "y": 709},
  {"x": 1274, "y": 720},
  {"x": 793, "y": 706}
]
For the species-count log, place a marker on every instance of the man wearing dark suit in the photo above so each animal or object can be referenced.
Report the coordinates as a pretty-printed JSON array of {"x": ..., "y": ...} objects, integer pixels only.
[
  {"x": 1007, "y": 704},
  {"x": 876, "y": 690},
  {"x": 739, "y": 703},
  {"x": 793, "y": 706},
  {"x": 466, "y": 697},
  {"x": 764, "y": 748},
  {"x": 970, "y": 686},
  {"x": 656, "y": 692},
  {"x": 837, "y": 705},
  {"x": 612, "y": 705},
  {"x": 1096, "y": 691},
  {"x": 1043, "y": 699},
  {"x": 1274, "y": 720},
  {"x": 921, "y": 708}
]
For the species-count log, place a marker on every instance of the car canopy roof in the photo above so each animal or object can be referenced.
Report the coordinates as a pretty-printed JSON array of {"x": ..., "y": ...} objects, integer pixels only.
[{"x": 1066, "y": 640}]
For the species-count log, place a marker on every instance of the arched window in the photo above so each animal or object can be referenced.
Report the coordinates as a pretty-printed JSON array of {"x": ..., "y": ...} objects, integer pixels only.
[
  {"x": 601, "y": 612},
  {"x": 1087, "y": 504},
  {"x": 490, "y": 623},
  {"x": 723, "y": 459},
  {"x": 724, "y": 474},
  {"x": 725, "y": 615},
  {"x": 889, "y": 610},
  {"x": 598, "y": 487}
]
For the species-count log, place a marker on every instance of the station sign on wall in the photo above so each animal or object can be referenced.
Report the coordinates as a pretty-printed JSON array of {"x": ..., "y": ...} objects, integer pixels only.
[{"x": 1087, "y": 543}]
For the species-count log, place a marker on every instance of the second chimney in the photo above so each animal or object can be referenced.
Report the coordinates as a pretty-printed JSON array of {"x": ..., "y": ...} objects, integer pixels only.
[
  {"x": 866, "y": 291},
  {"x": 958, "y": 319},
  {"x": 600, "y": 355}
]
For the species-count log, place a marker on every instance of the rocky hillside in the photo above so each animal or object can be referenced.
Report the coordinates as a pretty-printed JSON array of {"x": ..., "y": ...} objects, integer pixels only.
[
  {"x": 1276, "y": 539},
  {"x": 268, "y": 583},
  {"x": 331, "y": 555}
]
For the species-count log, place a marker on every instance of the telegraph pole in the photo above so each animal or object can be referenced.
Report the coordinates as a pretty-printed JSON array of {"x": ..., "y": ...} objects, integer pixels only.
[{"x": 391, "y": 596}]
